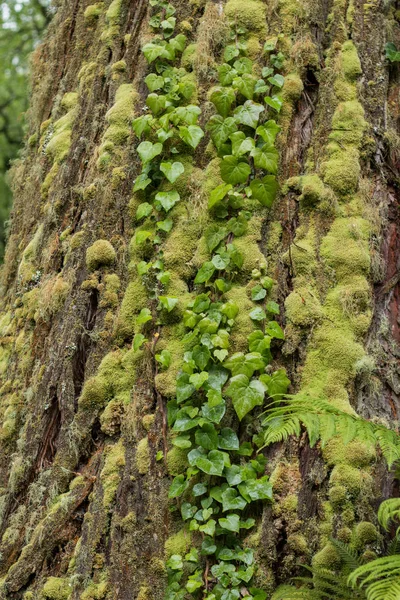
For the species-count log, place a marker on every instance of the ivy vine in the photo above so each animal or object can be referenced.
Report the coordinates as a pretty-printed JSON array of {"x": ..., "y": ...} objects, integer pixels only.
[{"x": 224, "y": 477}]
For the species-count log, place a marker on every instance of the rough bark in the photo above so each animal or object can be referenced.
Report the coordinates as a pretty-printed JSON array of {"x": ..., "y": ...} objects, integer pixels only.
[{"x": 83, "y": 497}]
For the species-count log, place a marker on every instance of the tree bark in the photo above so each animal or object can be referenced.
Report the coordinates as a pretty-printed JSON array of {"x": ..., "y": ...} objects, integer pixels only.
[{"x": 83, "y": 498}]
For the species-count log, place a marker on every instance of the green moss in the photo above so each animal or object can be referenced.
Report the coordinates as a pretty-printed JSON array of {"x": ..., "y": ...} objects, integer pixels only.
[
  {"x": 92, "y": 12},
  {"x": 293, "y": 87},
  {"x": 148, "y": 421},
  {"x": 60, "y": 141},
  {"x": 327, "y": 558},
  {"x": 110, "y": 474},
  {"x": 348, "y": 477},
  {"x": 345, "y": 247},
  {"x": 95, "y": 591},
  {"x": 342, "y": 171},
  {"x": 243, "y": 324},
  {"x": 252, "y": 14},
  {"x": 118, "y": 118},
  {"x": 101, "y": 253},
  {"x": 171, "y": 340},
  {"x": 94, "y": 394},
  {"x": 177, "y": 461},
  {"x": 365, "y": 533},
  {"x": 180, "y": 247},
  {"x": 248, "y": 245},
  {"x": 69, "y": 100},
  {"x": 298, "y": 543},
  {"x": 179, "y": 543},
  {"x": 344, "y": 534},
  {"x": 143, "y": 456},
  {"x": 27, "y": 268},
  {"x": 303, "y": 307},
  {"x": 337, "y": 495},
  {"x": 56, "y": 588},
  {"x": 348, "y": 124},
  {"x": 113, "y": 13},
  {"x": 134, "y": 300},
  {"x": 302, "y": 255},
  {"x": 351, "y": 65},
  {"x": 355, "y": 453},
  {"x": 119, "y": 67}
]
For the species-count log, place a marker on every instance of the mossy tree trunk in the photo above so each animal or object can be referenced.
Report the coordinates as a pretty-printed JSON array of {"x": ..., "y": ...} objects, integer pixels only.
[{"x": 84, "y": 502}]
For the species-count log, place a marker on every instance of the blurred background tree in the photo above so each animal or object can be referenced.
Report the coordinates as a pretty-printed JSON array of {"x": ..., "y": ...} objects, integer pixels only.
[{"x": 22, "y": 24}]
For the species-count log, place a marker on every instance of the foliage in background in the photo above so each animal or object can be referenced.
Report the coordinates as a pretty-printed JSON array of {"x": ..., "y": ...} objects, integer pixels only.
[{"x": 22, "y": 24}]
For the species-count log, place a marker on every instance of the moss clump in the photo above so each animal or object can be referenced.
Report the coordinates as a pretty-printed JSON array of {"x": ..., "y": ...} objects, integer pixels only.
[
  {"x": 95, "y": 591},
  {"x": 293, "y": 87},
  {"x": 92, "y": 12},
  {"x": 252, "y": 14},
  {"x": 171, "y": 340},
  {"x": 337, "y": 495},
  {"x": 119, "y": 67},
  {"x": 248, "y": 245},
  {"x": 348, "y": 124},
  {"x": 355, "y": 453},
  {"x": 180, "y": 247},
  {"x": 110, "y": 474},
  {"x": 118, "y": 118},
  {"x": 110, "y": 419},
  {"x": 302, "y": 256},
  {"x": 365, "y": 533},
  {"x": 53, "y": 294},
  {"x": 101, "y": 253},
  {"x": 345, "y": 247},
  {"x": 60, "y": 141},
  {"x": 26, "y": 268},
  {"x": 243, "y": 324},
  {"x": 179, "y": 543},
  {"x": 56, "y": 588},
  {"x": 327, "y": 558},
  {"x": 298, "y": 543},
  {"x": 342, "y": 171},
  {"x": 134, "y": 300},
  {"x": 351, "y": 65},
  {"x": 94, "y": 394},
  {"x": 143, "y": 456},
  {"x": 113, "y": 13},
  {"x": 303, "y": 307},
  {"x": 348, "y": 477},
  {"x": 177, "y": 461},
  {"x": 189, "y": 56}
]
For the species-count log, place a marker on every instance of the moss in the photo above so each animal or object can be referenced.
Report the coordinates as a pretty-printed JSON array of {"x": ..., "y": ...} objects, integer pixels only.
[
  {"x": 69, "y": 100},
  {"x": 348, "y": 516},
  {"x": 119, "y": 67},
  {"x": 189, "y": 56},
  {"x": 110, "y": 419},
  {"x": 243, "y": 324},
  {"x": 60, "y": 141},
  {"x": 27, "y": 268},
  {"x": 144, "y": 593},
  {"x": 143, "y": 456},
  {"x": 293, "y": 87},
  {"x": 252, "y": 14},
  {"x": 171, "y": 340},
  {"x": 53, "y": 294},
  {"x": 365, "y": 533},
  {"x": 355, "y": 453},
  {"x": 92, "y": 12},
  {"x": 101, "y": 253},
  {"x": 95, "y": 591},
  {"x": 344, "y": 534},
  {"x": 298, "y": 543},
  {"x": 94, "y": 394},
  {"x": 113, "y": 13},
  {"x": 180, "y": 247},
  {"x": 348, "y": 124},
  {"x": 337, "y": 495},
  {"x": 248, "y": 245},
  {"x": 179, "y": 543},
  {"x": 77, "y": 240},
  {"x": 349, "y": 477},
  {"x": 304, "y": 53},
  {"x": 134, "y": 300},
  {"x": 148, "y": 421},
  {"x": 110, "y": 474},
  {"x": 345, "y": 247},
  {"x": 351, "y": 65},
  {"x": 56, "y": 588},
  {"x": 118, "y": 118},
  {"x": 342, "y": 171},
  {"x": 177, "y": 461},
  {"x": 327, "y": 558},
  {"x": 303, "y": 307},
  {"x": 117, "y": 371}
]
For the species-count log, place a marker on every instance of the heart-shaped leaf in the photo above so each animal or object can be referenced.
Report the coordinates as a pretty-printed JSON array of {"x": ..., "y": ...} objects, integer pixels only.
[
  {"x": 167, "y": 199},
  {"x": 234, "y": 171},
  {"x": 249, "y": 113},
  {"x": 223, "y": 98},
  {"x": 245, "y": 394},
  {"x": 266, "y": 158},
  {"x": 172, "y": 170},
  {"x": 147, "y": 151},
  {"x": 191, "y": 135},
  {"x": 264, "y": 190}
]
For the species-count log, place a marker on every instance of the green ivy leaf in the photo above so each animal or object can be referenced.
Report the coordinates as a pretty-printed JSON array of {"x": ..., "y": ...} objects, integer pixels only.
[
  {"x": 227, "y": 439},
  {"x": 144, "y": 316},
  {"x": 179, "y": 42},
  {"x": 138, "y": 341},
  {"x": 168, "y": 199},
  {"x": 243, "y": 65},
  {"x": 264, "y": 190},
  {"x": 272, "y": 307},
  {"x": 214, "y": 413},
  {"x": 274, "y": 330},
  {"x": 167, "y": 303},
  {"x": 141, "y": 182},
  {"x": 165, "y": 225},
  {"x": 221, "y": 354},
  {"x": 230, "y": 52},
  {"x": 249, "y": 113},
  {"x": 143, "y": 210},
  {"x": 238, "y": 226},
  {"x": 201, "y": 356},
  {"x": 178, "y": 487},
  {"x": 184, "y": 389},
  {"x": 223, "y": 98},
  {"x": 215, "y": 234},
  {"x": 181, "y": 441},
  {"x": 234, "y": 171},
  {"x": 188, "y": 114},
  {"x": 226, "y": 74},
  {"x": 205, "y": 273},
  {"x": 156, "y": 103},
  {"x": 256, "y": 489},
  {"x": 152, "y": 51},
  {"x": 164, "y": 358},
  {"x": 208, "y": 547},
  {"x": 266, "y": 158},
  {"x": 207, "y": 437},
  {"x": 216, "y": 196},
  {"x": 208, "y": 528},
  {"x": 213, "y": 464},
  {"x": 154, "y": 82},
  {"x": 220, "y": 129},
  {"x": 245, "y": 394},
  {"x": 391, "y": 52},
  {"x": 220, "y": 262},
  {"x": 258, "y": 293},
  {"x": 198, "y": 379},
  {"x": 275, "y": 102},
  {"x": 246, "y": 85},
  {"x": 241, "y": 144},
  {"x": 232, "y": 501},
  {"x": 142, "y": 236},
  {"x": 277, "y": 80},
  {"x": 276, "y": 384},
  {"x": 142, "y": 124},
  {"x": 175, "y": 562},
  {"x": 191, "y": 135},
  {"x": 257, "y": 314},
  {"x": 172, "y": 170},
  {"x": 230, "y": 523},
  {"x": 147, "y": 151}
]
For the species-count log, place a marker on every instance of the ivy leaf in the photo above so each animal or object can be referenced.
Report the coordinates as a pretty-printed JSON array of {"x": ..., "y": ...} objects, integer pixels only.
[
  {"x": 208, "y": 528},
  {"x": 256, "y": 489},
  {"x": 147, "y": 151},
  {"x": 208, "y": 547},
  {"x": 258, "y": 342},
  {"x": 217, "y": 377},
  {"x": 234, "y": 171},
  {"x": 220, "y": 129},
  {"x": 226, "y": 74},
  {"x": 138, "y": 341},
  {"x": 232, "y": 501},
  {"x": 168, "y": 199},
  {"x": 175, "y": 562},
  {"x": 168, "y": 303},
  {"x": 198, "y": 379},
  {"x": 227, "y": 439},
  {"x": 220, "y": 262},
  {"x": 178, "y": 42},
  {"x": 276, "y": 384},
  {"x": 213, "y": 464},
  {"x": 221, "y": 354},
  {"x": 246, "y": 85},
  {"x": 141, "y": 182},
  {"x": 217, "y": 195},
  {"x": 274, "y": 330},
  {"x": 205, "y": 273},
  {"x": 143, "y": 210},
  {"x": 152, "y": 51},
  {"x": 172, "y": 170},
  {"x": 215, "y": 234},
  {"x": 233, "y": 475},
  {"x": 238, "y": 226},
  {"x": 391, "y": 52},
  {"x": 154, "y": 82},
  {"x": 188, "y": 114},
  {"x": 249, "y": 113},
  {"x": 223, "y": 98},
  {"x": 243, "y": 65},
  {"x": 277, "y": 80},
  {"x": 231, "y": 523},
  {"x": 207, "y": 437},
  {"x": 257, "y": 314},
  {"x": 144, "y": 316},
  {"x": 245, "y": 394},
  {"x": 165, "y": 225},
  {"x": 156, "y": 103},
  {"x": 272, "y": 307},
  {"x": 201, "y": 303},
  {"x": 230, "y": 52},
  {"x": 264, "y": 190},
  {"x": 201, "y": 356},
  {"x": 199, "y": 489},
  {"x": 184, "y": 389},
  {"x": 141, "y": 125},
  {"x": 214, "y": 413},
  {"x": 275, "y": 102},
  {"x": 178, "y": 486},
  {"x": 258, "y": 293},
  {"x": 191, "y": 135},
  {"x": 142, "y": 236},
  {"x": 181, "y": 441},
  {"x": 266, "y": 158}
]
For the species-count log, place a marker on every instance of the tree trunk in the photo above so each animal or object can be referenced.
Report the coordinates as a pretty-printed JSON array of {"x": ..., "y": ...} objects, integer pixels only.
[{"x": 84, "y": 495}]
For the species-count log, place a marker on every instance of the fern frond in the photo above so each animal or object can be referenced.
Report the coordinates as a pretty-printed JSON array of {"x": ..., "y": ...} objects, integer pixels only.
[
  {"x": 348, "y": 555},
  {"x": 388, "y": 511},
  {"x": 380, "y": 578}
]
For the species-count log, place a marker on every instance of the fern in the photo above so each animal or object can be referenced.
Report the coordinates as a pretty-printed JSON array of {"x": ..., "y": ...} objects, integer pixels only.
[
  {"x": 380, "y": 578},
  {"x": 322, "y": 422},
  {"x": 388, "y": 511}
]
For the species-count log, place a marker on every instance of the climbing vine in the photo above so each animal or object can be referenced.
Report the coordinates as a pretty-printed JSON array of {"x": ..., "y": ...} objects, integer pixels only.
[{"x": 224, "y": 477}]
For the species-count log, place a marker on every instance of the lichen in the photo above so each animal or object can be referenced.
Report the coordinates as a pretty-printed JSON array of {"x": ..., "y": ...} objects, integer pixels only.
[{"x": 99, "y": 254}]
